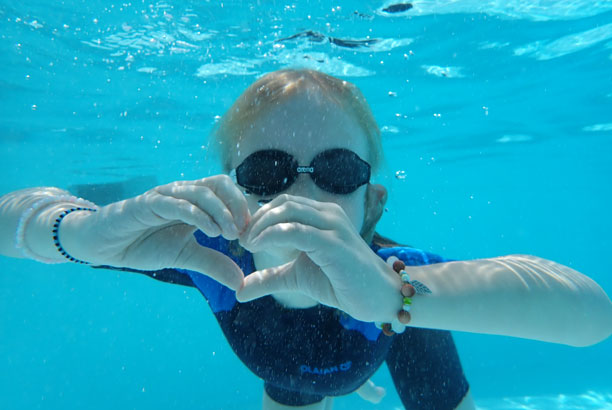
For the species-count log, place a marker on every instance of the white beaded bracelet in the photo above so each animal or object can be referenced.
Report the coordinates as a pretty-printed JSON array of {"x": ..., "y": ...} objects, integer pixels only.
[{"x": 27, "y": 216}]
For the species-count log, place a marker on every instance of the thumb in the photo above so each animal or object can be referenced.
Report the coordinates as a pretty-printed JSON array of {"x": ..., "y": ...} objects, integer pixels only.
[
  {"x": 265, "y": 282},
  {"x": 211, "y": 263}
]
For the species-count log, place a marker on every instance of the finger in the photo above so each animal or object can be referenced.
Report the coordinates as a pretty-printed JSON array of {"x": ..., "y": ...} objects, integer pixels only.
[
  {"x": 154, "y": 210},
  {"x": 211, "y": 263},
  {"x": 172, "y": 209},
  {"x": 228, "y": 192},
  {"x": 206, "y": 200},
  {"x": 291, "y": 211},
  {"x": 280, "y": 199},
  {"x": 267, "y": 281},
  {"x": 292, "y": 234},
  {"x": 322, "y": 247},
  {"x": 282, "y": 278},
  {"x": 326, "y": 209},
  {"x": 300, "y": 276},
  {"x": 234, "y": 199}
]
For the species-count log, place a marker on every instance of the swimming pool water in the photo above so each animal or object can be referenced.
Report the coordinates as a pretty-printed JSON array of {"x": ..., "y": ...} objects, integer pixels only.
[{"x": 497, "y": 126}]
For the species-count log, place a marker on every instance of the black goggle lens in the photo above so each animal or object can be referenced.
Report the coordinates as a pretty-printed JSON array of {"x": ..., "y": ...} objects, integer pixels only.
[
  {"x": 340, "y": 171},
  {"x": 266, "y": 172}
]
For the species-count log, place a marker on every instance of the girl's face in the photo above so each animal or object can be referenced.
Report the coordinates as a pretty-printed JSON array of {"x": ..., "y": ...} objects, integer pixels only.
[{"x": 305, "y": 126}]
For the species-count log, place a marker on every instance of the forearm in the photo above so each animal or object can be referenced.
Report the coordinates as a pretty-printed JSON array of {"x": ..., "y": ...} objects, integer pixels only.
[
  {"x": 516, "y": 295},
  {"x": 36, "y": 209}
]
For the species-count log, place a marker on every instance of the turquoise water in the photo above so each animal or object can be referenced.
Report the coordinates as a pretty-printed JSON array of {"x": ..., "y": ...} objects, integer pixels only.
[{"x": 497, "y": 126}]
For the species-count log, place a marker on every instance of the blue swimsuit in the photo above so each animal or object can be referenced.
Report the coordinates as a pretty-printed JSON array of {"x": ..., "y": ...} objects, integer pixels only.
[{"x": 304, "y": 355}]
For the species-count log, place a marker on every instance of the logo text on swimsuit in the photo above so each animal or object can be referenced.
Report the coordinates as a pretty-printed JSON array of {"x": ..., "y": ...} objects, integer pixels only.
[{"x": 342, "y": 367}]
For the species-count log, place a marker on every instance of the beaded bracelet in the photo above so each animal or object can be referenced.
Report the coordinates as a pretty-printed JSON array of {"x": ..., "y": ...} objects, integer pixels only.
[
  {"x": 409, "y": 289},
  {"x": 56, "y": 233},
  {"x": 34, "y": 209}
]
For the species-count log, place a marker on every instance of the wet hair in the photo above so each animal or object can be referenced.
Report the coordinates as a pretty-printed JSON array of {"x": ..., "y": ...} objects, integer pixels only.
[{"x": 275, "y": 88}]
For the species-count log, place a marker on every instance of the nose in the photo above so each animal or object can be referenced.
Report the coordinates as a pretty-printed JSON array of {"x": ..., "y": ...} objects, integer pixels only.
[{"x": 305, "y": 186}]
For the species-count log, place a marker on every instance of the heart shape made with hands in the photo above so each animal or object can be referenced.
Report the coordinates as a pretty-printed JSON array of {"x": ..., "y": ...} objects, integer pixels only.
[
  {"x": 324, "y": 239},
  {"x": 303, "y": 225}
]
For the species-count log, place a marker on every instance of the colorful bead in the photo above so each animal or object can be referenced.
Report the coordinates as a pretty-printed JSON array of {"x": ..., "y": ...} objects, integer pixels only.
[
  {"x": 408, "y": 290},
  {"x": 404, "y": 317},
  {"x": 386, "y": 329},
  {"x": 398, "y": 265},
  {"x": 391, "y": 260},
  {"x": 397, "y": 326}
]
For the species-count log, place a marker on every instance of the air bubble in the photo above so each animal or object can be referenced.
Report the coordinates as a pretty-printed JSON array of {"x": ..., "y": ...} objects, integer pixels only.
[{"x": 400, "y": 174}]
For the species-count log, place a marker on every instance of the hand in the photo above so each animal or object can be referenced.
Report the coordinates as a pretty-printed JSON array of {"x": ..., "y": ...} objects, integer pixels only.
[
  {"x": 335, "y": 265},
  {"x": 155, "y": 230}
]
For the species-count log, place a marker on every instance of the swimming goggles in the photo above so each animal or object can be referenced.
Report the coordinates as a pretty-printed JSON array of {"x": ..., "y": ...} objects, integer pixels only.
[{"x": 269, "y": 172}]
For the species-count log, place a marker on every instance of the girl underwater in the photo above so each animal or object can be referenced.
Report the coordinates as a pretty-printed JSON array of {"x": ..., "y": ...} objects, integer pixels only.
[{"x": 292, "y": 266}]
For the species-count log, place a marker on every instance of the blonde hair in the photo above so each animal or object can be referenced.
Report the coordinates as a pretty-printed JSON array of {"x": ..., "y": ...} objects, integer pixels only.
[{"x": 275, "y": 88}]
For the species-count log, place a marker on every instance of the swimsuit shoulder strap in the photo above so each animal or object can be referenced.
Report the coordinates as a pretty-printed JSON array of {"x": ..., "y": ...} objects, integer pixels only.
[{"x": 386, "y": 247}]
